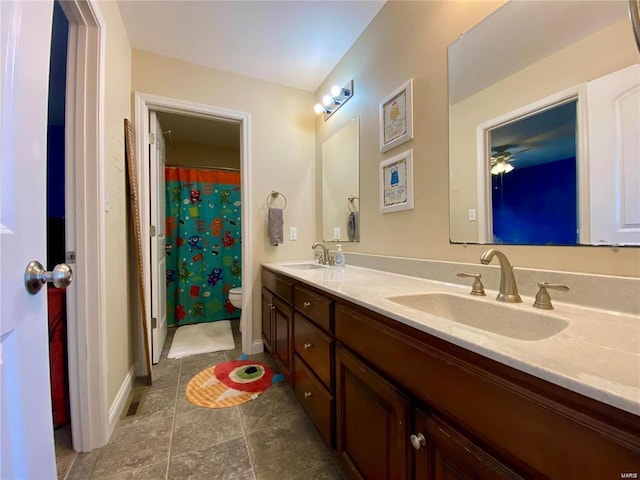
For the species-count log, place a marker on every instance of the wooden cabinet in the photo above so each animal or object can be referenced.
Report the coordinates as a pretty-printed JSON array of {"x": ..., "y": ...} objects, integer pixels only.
[
  {"x": 369, "y": 383},
  {"x": 283, "y": 337},
  {"x": 315, "y": 399},
  {"x": 267, "y": 319},
  {"x": 372, "y": 419},
  {"x": 277, "y": 320},
  {"x": 442, "y": 453}
]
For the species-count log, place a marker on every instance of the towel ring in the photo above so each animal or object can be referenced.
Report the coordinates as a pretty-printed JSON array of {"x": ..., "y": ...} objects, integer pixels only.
[
  {"x": 351, "y": 204},
  {"x": 273, "y": 195}
]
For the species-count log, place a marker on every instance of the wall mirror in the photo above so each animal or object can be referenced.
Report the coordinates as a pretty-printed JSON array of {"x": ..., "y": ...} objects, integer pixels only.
[
  {"x": 543, "y": 126},
  {"x": 340, "y": 192}
]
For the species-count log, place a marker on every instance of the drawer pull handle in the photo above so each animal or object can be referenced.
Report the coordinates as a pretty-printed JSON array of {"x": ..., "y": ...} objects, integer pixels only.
[
  {"x": 306, "y": 304},
  {"x": 418, "y": 441},
  {"x": 307, "y": 394},
  {"x": 307, "y": 346}
]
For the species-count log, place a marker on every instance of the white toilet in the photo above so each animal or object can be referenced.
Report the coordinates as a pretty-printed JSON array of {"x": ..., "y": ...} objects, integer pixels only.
[{"x": 235, "y": 297}]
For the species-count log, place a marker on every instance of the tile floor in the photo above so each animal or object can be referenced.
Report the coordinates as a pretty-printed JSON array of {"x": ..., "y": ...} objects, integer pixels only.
[{"x": 269, "y": 438}]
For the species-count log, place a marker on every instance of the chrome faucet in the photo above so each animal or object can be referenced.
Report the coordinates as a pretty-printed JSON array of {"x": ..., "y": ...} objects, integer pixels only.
[
  {"x": 326, "y": 258},
  {"x": 508, "y": 288}
]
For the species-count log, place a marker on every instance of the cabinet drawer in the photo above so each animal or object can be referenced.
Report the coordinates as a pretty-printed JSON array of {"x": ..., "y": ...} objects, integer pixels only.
[
  {"x": 316, "y": 401},
  {"x": 314, "y": 306},
  {"x": 278, "y": 285},
  {"x": 314, "y": 347}
]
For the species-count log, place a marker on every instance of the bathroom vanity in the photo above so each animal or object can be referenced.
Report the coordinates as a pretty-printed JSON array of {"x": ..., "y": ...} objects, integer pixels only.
[{"x": 401, "y": 393}]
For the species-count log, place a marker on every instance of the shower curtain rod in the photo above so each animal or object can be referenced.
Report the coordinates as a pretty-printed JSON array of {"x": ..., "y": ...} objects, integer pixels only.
[{"x": 204, "y": 168}]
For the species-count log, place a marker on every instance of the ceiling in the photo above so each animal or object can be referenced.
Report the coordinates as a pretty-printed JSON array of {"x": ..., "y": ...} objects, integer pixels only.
[
  {"x": 293, "y": 43},
  {"x": 186, "y": 129}
]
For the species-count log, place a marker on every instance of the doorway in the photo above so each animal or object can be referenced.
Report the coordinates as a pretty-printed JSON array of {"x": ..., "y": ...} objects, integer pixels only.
[
  {"x": 145, "y": 104},
  {"x": 199, "y": 204},
  {"x": 56, "y": 245}
]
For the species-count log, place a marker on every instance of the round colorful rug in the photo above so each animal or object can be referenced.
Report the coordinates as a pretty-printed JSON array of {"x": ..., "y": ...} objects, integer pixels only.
[{"x": 231, "y": 383}]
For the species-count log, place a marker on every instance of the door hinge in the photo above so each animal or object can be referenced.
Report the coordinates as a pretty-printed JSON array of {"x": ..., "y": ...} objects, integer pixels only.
[
  {"x": 71, "y": 257},
  {"x": 154, "y": 322},
  {"x": 152, "y": 230},
  {"x": 152, "y": 138}
]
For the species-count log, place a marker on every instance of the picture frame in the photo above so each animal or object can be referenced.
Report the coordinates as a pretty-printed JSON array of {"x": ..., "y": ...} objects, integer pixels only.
[
  {"x": 396, "y": 183},
  {"x": 396, "y": 117}
]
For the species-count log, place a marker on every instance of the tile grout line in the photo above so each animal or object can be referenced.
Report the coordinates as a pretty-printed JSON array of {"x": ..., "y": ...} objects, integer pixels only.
[
  {"x": 173, "y": 422},
  {"x": 246, "y": 443},
  {"x": 244, "y": 430}
]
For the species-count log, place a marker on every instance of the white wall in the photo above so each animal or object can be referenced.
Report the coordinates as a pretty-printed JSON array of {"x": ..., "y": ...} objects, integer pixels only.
[{"x": 119, "y": 316}]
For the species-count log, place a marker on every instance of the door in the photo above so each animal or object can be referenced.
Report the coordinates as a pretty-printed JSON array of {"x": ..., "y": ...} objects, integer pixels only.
[
  {"x": 372, "y": 418},
  {"x": 442, "y": 453},
  {"x": 267, "y": 318},
  {"x": 26, "y": 441},
  {"x": 158, "y": 255},
  {"x": 614, "y": 157},
  {"x": 283, "y": 337}
]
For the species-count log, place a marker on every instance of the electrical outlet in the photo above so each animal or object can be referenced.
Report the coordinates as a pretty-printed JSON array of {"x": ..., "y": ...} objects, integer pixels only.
[
  {"x": 336, "y": 233},
  {"x": 293, "y": 233},
  {"x": 472, "y": 214}
]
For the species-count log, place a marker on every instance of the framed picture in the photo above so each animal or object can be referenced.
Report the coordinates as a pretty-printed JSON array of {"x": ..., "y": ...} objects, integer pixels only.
[
  {"x": 396, "y": 183},
  {"x": 396, "y": 117}
]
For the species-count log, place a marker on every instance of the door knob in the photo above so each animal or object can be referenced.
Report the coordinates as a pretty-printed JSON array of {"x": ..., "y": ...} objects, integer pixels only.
[
  {"x": 418, "y": 441},
  {"x": 35, "y": 276}
]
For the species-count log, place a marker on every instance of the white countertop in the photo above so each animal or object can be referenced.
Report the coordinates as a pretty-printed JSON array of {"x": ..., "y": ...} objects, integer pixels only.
[{"x": 596, "y": 355}]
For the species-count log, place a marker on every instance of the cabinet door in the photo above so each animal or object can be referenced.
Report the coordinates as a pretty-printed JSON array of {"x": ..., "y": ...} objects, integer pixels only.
[
  {"x": 282, "y": 340},
  {"x": 372, "y": 420},
  {"x": 267, "y": 318},
  {"x": 445, "y": 454}
]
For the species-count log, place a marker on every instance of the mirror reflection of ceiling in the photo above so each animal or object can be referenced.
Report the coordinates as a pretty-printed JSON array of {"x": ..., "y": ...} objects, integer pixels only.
[
  {"x": 545, "y": 137},
  {"x": 502, "y": 44}
]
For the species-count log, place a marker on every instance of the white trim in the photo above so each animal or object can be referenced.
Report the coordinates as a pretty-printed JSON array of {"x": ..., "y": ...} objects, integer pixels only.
[
  {"x": 120, "y": 402},
  {"x": 484, "y": 210},
  {"x": 145, "y": 102},
  {"x": 86, "y": 223},
  {"x": 257, "y": 347}
]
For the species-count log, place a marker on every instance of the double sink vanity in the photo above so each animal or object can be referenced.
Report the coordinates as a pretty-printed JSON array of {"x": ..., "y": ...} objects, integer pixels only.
[{"x": 406, "y": 377}]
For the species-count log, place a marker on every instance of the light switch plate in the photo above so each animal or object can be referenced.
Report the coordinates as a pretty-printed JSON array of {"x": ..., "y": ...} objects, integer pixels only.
[
  {"x": 472, "y": 214},
  {"x": 336, "y": 233},
  {"x": 293, "y": 233}
]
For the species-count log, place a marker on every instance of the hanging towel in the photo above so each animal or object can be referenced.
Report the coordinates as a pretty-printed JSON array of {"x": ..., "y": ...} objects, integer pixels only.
[
  {"x": 353, "y": 227},
  {"x": 275, "y": 223}
]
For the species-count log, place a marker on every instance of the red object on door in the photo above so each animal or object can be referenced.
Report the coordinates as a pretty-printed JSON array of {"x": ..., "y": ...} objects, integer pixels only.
[{"x": 56, "y": 301}]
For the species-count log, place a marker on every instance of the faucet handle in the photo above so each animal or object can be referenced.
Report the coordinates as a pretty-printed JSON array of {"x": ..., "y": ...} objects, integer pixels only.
[
  {"x": 543, "y": 300},
  {"x": 477, "y": 288}
]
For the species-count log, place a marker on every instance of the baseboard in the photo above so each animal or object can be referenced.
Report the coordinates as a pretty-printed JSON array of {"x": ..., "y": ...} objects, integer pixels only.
[
  {"x": 257, "y": 347},
  {"x": 120, "y": 402}
]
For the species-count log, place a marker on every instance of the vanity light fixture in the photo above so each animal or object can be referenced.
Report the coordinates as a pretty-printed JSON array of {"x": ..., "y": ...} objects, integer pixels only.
[{"x": 331, "y": 103}]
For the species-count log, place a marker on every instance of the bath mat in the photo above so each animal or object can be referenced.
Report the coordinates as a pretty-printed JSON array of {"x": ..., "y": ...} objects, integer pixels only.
[
  {"x": 201, "y": 338},
  {"x": 230, "y": 383}
]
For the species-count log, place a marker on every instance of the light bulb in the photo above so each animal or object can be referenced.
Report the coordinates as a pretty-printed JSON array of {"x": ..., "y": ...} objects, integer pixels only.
[
  {"x": 318, "y": 108},
  {"x": 335, "y": 91},
  {"x": 326, "y": 100}
]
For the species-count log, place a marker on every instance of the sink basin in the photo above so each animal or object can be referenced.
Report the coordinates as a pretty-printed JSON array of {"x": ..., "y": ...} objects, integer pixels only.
[
  {"x": 304, "y": 266},
  {"x": 514, "y": 322}
]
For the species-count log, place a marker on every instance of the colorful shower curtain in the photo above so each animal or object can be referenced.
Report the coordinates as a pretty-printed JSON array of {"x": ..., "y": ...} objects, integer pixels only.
[{"x": 203, "y": 245}]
